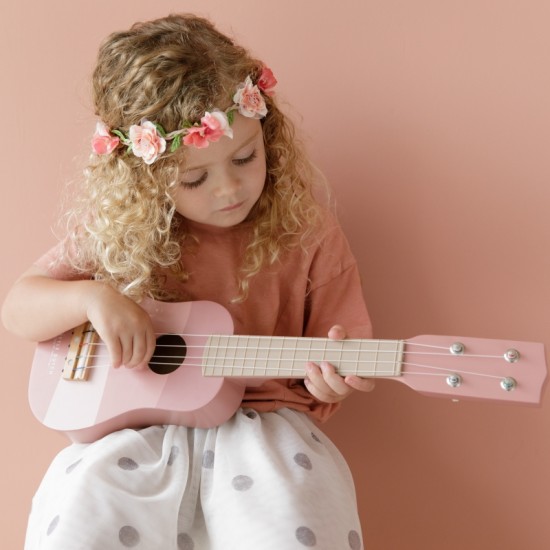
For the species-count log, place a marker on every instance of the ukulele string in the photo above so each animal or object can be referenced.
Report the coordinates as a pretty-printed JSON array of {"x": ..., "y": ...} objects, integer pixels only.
[
  {"x": 442, "y": 371},
  {"x": 322, "y": 349},
  {"x": 296, "y": 372},
  {"x": 308, "y": 349}
]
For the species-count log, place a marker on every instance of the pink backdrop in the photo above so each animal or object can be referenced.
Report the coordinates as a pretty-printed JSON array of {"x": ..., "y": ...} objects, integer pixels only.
[{"x": 432, "y": 121}]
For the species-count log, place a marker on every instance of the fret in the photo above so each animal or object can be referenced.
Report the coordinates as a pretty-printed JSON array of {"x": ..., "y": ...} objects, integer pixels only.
[
  {"x": 234, "y": 348},
  {"x": 288, "y": 352},
  {"x": 255, "y": 358},
  {"x": 376, "y": 356},
  {"x": 249, "y": 355}
]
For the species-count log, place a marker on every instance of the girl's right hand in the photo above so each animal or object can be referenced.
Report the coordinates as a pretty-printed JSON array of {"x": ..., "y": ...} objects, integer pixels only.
[{"x": 123, "y": 325}]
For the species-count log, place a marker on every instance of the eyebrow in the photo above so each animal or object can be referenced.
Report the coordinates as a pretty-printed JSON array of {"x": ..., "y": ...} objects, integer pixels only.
[{"x": 244, "y": 144}]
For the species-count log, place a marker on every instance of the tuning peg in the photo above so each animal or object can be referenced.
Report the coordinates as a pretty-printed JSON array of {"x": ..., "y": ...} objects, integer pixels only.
[
  {"x": 512, "y": 355},
  {"x": 454, "y": 380},
  {"x": 457, "y": 348},
  {"x": 508, "y": 384}
]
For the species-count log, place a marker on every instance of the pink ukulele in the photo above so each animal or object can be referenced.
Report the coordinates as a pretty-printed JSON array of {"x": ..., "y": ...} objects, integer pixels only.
[{"x": 199, "y": 371}]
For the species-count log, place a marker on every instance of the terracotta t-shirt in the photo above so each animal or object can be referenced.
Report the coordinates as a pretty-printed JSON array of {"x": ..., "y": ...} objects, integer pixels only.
[{"x": 301, "y": 295}]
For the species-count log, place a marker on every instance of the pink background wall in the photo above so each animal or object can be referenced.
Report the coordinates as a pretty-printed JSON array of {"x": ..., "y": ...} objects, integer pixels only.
[{"x": 432, "y": 120}]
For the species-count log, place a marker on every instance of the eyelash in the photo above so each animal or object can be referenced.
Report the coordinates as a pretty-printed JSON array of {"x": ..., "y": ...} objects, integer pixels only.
[
  {"x": 196, "y": 183},
  {"x": 246, "y": 160},
  {"x": 202, "y": 179}
]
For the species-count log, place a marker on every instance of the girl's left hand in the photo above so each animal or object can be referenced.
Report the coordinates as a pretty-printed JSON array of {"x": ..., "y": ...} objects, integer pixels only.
[{"x": 324, "y": 383}]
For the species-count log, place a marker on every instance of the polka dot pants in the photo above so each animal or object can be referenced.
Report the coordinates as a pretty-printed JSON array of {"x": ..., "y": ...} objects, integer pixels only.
[{"x": 269, "y": 481}]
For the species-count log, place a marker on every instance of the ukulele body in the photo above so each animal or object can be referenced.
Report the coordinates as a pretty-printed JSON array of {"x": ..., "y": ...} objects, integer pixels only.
[{"x": 111, "y": 399}]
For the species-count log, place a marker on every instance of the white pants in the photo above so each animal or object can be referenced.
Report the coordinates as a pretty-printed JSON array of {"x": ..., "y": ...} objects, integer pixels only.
[{"x": 261, "y": 481}]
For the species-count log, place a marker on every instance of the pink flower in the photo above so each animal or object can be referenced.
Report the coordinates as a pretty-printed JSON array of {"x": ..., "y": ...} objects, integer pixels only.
[
  {"x": 267, "y": 81},
  {"x": 103, "y": 142},
  {"x": 213, "y": 126},
  {"x": 146, "y": 142},
  {"x": 250, "y": 101}
]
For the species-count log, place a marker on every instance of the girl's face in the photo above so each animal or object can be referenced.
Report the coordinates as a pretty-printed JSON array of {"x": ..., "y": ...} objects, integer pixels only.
[{"x": 220, "y": 184}]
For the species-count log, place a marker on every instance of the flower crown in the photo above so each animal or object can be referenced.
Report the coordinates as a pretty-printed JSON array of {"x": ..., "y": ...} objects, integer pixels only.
[{"x": 148, "y": 140}]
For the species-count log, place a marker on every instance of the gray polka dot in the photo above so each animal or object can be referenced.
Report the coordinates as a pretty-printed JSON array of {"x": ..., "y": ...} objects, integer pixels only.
[
  {"x": 303, "y": 460},
  {"x": 252, "y": 414},
  {"x": 208, "y": 459},
  {"x": 242, "y": 483},
  {"x": 315, "y": 438},
  {"x": 174, "y": 452},
  {"x": 354, "y": 540},
  {"x": 185, "y": 542},
  {"x": 128, "y": 536},
  {"x": 52, "y": 525},
  {"x": 73, "y": 466},
  {"x": 306, "y": 536},
  {"x": 127, "y": 463}
]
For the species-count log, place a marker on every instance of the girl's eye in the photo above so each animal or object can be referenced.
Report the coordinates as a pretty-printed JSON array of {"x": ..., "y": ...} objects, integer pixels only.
[
  {"x": 195, "y": 183},
  {"x": 245, "y": 160}
]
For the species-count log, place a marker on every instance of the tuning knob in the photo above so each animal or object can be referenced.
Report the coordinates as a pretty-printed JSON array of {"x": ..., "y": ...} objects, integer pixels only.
[
  {"x": 512, "y": 355},
  {"x": 508, "y": 384},
  {"x": 454, "y": 380},
  {"x": 457, "y": 348}
]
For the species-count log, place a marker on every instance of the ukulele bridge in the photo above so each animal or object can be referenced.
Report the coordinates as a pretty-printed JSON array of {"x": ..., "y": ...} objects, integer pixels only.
[{"x": 79, "y": 355}]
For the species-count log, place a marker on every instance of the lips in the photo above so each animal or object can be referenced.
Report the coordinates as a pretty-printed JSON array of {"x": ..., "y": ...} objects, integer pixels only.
[{"x": 232, "y": 207}]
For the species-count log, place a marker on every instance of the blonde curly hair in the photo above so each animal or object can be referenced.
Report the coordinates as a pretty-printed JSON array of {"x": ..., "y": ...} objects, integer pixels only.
[{"x": 125, "y": 229}]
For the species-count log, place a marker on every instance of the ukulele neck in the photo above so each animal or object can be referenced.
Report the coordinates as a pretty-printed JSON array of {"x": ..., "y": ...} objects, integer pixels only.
[{"x": 286, "y": 357}]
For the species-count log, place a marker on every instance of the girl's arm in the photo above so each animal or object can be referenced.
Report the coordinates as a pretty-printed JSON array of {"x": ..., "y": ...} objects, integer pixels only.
[{"x": 39, "y": 307}]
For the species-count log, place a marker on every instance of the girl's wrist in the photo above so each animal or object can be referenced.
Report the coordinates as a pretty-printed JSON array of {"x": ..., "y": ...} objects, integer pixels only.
[{"x": 95, "y": 294}]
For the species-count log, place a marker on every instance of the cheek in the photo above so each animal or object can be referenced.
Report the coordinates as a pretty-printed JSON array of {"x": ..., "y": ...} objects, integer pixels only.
[
  {"x": 261, "y": 172},
  {"x": 185, "y": 202}
]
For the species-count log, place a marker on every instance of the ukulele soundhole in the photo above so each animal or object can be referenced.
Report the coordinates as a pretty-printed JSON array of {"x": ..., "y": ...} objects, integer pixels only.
[{"x": 169, "y": 354}]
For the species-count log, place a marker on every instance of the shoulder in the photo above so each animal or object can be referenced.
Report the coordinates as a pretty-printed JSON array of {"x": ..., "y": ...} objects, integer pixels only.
[
  {"x": 329, "y": 251},
  {"x": 329, "y": 237}
]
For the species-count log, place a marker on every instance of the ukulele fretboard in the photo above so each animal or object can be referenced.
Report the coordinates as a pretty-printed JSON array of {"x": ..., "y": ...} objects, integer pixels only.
[{"x": 286, "y": 357}]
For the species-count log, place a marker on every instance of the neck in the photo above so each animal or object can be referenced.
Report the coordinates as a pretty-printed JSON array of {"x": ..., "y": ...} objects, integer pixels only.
[{"x": 286, "y": 357}]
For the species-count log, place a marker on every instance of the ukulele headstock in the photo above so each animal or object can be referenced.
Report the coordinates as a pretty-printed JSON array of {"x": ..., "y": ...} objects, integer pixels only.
[{"x": 475, "y": 368}]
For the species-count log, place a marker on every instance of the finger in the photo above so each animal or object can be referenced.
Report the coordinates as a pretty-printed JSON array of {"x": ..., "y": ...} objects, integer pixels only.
[
  {"x": 127, "y": 343},
  {"x": 333, "y": 380},
  {"x": 139, "y": 351},
  {"x": 144, "y": 348},
  {"x": 337, "y": 332},
  {"x": 361, "y": 384},
  {"x": 315, "y": 383},
  {"x": 315, "y": 375},
  {"x": 114, "y": 348},
  {"x": 151, "y": 344},
  {"x": 324, "y": 384}
]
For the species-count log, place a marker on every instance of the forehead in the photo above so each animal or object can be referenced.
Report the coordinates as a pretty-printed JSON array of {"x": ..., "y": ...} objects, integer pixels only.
[{"x": 245, "y": 131}]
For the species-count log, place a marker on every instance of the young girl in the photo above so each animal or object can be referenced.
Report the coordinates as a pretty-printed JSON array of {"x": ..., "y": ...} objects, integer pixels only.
[{"x": 197, "y": 190}]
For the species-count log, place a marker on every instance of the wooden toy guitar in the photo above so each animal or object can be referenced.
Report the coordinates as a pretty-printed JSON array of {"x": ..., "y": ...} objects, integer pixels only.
[{"x": 199, "y": 371}]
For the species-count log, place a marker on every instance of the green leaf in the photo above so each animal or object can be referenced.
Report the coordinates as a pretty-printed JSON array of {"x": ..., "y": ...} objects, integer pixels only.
[
  {"x": 176, "y": 143},
  {"x": 230, "y": 116},
  {"x": 160, "y": 129},
  {"x": 120, "y": 135}
]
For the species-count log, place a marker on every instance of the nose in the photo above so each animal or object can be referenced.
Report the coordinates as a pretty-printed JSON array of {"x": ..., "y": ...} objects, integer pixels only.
[{"x": 228, "y": 184}]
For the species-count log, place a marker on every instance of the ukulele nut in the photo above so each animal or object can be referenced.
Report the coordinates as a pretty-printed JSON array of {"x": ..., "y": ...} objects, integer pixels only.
[
  {"x": 454, "y": 380},
  {"x": 508, "y": 384},
  {"x": 512, "y": 355},
  {"x": 457, "y": 348}
]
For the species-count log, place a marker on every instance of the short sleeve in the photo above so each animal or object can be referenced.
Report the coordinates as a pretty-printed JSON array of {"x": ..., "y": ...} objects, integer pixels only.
[{"x": 56, "y": 266}]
